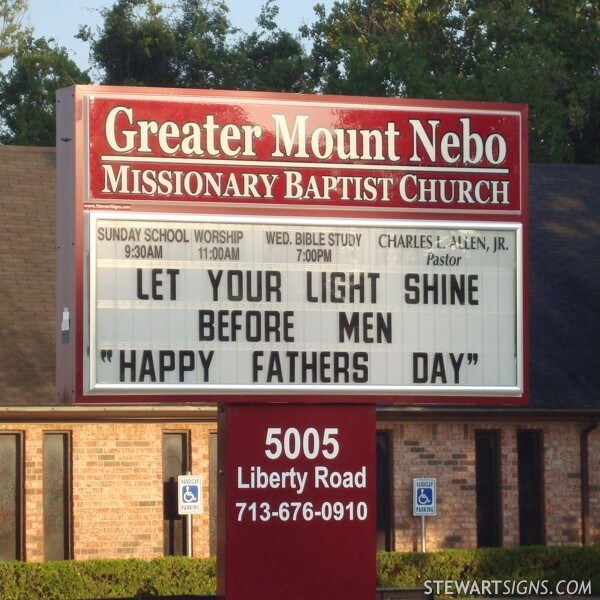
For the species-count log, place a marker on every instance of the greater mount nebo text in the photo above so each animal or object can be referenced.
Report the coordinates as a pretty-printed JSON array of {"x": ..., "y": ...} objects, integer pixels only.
[
  {"x": 295, "y": 137},
  {"x": 392, "y": 159}
]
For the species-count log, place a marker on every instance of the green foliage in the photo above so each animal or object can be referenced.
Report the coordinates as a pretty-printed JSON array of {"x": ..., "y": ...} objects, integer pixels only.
[
  {"x": 27, "y": 92},
  {"x": 545, "y": 54},
  {"x": 107, "y": 578},
  {"x": 269, "y": 59},
  {"x": 195, "y": 47},
  {"x": 11, "y": 29},
  {"x": 136, "y": 46},
  {"x": 532, "y": 563},
  {"x": 180, "y": 575},
  {"x": 205, "y": 58}
]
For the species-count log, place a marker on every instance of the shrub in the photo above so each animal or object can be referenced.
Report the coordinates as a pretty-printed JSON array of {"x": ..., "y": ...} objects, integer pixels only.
[
  {"x": 107, "y": 578},
  {"x": 531, "y": 563},
  {"x": 178, "y": 576}
]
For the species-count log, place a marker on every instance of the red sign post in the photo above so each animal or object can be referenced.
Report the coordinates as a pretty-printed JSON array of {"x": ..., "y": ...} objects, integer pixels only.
[{"x": 298, "y": 491}]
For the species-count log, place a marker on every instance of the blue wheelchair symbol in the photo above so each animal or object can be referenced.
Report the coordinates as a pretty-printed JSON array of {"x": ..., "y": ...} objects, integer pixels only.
[
  {"x": 425, "y": 496},
  {"x": 190, "y": 495}
]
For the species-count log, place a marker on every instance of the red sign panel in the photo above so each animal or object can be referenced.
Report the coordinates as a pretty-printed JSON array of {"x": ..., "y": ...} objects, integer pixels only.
[
  {"x": 297, "y": 481},
  {"x": 171, "y": 201},
  {"x": 317, "y": 151}
]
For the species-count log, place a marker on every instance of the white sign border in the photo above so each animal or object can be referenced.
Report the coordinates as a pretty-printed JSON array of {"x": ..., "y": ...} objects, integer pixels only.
[{"x": 92, "y": 387}]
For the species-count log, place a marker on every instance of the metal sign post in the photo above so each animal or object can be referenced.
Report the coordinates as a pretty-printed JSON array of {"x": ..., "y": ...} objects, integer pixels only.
[
  {"x": 188, "y": 545},
  {"x": 189, "y": 497}
]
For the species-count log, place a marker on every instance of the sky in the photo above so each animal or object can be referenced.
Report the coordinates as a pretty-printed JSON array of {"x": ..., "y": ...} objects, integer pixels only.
[{"x": 60, "y": 19}]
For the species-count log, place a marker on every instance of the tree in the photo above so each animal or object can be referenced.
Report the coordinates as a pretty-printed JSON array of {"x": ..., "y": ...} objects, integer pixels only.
[
  {"x": 205, "y": 58},
  {"x": 270, "y": 59},
  {"x": 545, "y": 53},
  {"x": 11, "y": 31},
  {"x": 139, "y": 45},
  {"x": 28, "y": 90},
  {"x": 195, "y": 47},
  {"x": 398, "y": 48},
  {"x": 136, "y": 45}
]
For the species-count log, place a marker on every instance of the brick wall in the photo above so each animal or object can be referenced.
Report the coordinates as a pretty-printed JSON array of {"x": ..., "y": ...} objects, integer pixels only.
[
  {"x": 443, "y": 451},
  {"x": 117, "y": 488},
  {"x": 594, "y": 462},
  {"x": 562, "y": 483},
  {"x": 446, "y": 451},
  {"x": 117, "y": 484},
  {"x": 117, "y": 491},
  {"x": 34, "y": 489}
]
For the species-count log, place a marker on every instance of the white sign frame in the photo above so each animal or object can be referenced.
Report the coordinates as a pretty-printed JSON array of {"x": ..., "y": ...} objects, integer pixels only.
[{"x": 91, "y": 358}]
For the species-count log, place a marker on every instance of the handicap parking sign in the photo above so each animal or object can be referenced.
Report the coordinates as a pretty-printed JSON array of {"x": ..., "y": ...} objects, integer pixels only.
[
  {"x": 424, "y": 497},
  {"x": 189, "y": 494}
]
